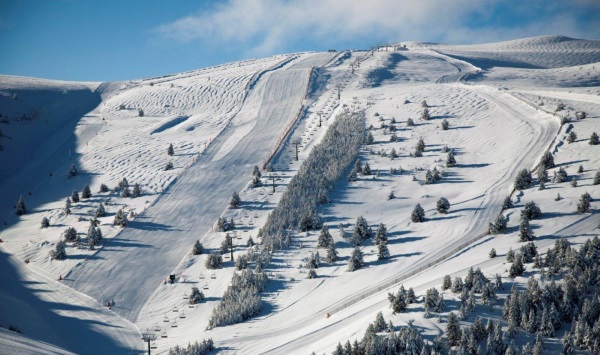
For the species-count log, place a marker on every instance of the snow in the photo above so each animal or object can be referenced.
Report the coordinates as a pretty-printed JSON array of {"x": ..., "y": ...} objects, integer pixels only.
[{"x": 498, "y": 98}]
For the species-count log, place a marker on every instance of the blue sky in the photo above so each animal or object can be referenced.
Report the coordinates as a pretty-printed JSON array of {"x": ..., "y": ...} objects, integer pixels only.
[{"x": 120, "y": 40}]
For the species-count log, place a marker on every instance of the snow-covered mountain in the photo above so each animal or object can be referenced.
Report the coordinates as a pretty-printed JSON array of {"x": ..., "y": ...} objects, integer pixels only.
[{"x": 498, "y": 107}]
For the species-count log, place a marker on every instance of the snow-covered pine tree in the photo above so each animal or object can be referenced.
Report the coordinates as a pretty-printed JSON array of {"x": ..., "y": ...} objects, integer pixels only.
[
  {"x": 170, "y": 150},
  {"x": 332, "y": 255},
  {"x": 256, "y": 181},
  {"x": 559, "y": 176},
  {"x": 420, "y": 145},
  {"x": 382, "y": 250},
  {"x": 443, "y": 205},
  {"x": 446, "y": 282},
  {"x": 580, "y": 169},
  {"x": 457, "y": 285},
  {"x": 525, "y": 231},
  {"x": 584, "y": 203},
  {"x": 531, "y": 210},
  {"x": 356, "y": 260},
  {"x": 45, "y": 223},
  {"x": 369, "y": 139},
  {"x": 574, "y": 181},
  {"x": 453, "y": 332},
  {"x": 20, "y": 208},
  {"x": 492, "y": 253},
  {"x": 137, "y": 190},
  {"x": 425, "y": 116},
  {"x": 391, "y": 196},
  {"x": 418, "y": 214},
  {"x": 517, "y": 268},
  {"x": 523, "y": 179},
  {"x": 103, "y": 188},
  {"x": 168, "y": 166},
  {"x": 311, "y": 274},
  {"x": 196, "y": 296},
  {"x": 235, "y": 200},
  {"x": 507, "y": 203},
  {"x": 362, "y": 229},
  {"x": 256, "y": 171},
  {"x": 381, "y": 233},
  {"x": 547, "y": 160},
  {"x": 75, "y": 196},
  {"x": 70, "y": 234},
  {"x": 197, "y": 249},
  {"x": 450, "y": 159},
  {"x": 68, "y": 206},
  {"x": 366, "y": 169},
  {"x": 59, "y": 252},
  {"x": 125, "y": 192},
  {"x": 100, "y": 211},
  {"x": 86, "y": 192},
  {"x": 445, "y": 125},
  {"x": 325, "y": 238},
  {"x": 542, "y": 173},
  {"x": 120, "y": 219},
  {"x": 572, "y": 137},
  {"x": 241, "y": 262},
  {"x": 213, "y": 261},
  {"x": 410, "y": 122}
]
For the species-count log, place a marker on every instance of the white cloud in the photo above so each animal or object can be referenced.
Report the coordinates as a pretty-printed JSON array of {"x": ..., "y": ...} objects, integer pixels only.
[{"x": 262, "y": 27}]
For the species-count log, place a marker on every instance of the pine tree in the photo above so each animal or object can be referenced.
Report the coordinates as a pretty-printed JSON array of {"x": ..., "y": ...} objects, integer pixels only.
[
  {"x": 446, "y": 282},
  {"x": 235, "y": 200},
  {"x": 596, "y": 178},
  {"x": 559, "y": 176},
  {"x": 547, "y": 160},
  {"x": 213, "y": 261},
  {"x": 256, "y": 171},
  {"x": 531, "y": 210},
  {"x": 356, "y": 260},
  {"x": 324, "y": 238},
  {"x": 443, "y": 205},
  {"x": 450, "y": 160},
  {"x": 525, "y": 231},
  {"x": 418, "y": 214},
  {"x": 366, "y": 169},
  {"x": 45, "y": 223},
  {"x": 398, "y": 302},
  {"x": 20, "y": 208},
  {"x": 170, "y": 150},
  {"x": 517, "y": 268},
  {"x": 361, "y": 228},
  {"x": 137, "y": 190},
  {"x": 594, "y": 139},
  {"x": 453, "y": 332},
  {"x": 59, "y": 252},
  {"x": 311, "y": 274},
  {"x": 492, "y": 253},
  {"x": 410, "y": 122},
  {"x": 391, "y": 196},
  {"x": 70, "y": 234},
  {"x": 380, "y": 234},
  {"x": 382, "y": 250},
  {"x": 370, "y": 139},
  {"x": 103, "y": 188},
  {"x": 584, "y": 203},
  {"x": 425, "y": 115},
  {"x": 68, "y": 206},
  {"x": 574, "y": 181},
  {"x": 572, "y": 137},
  {"x": 197, "y": 249},
  {"x": 120, "y": 219},
  {"x": 542, "y": 174},
  {"x": 75, "y": 196},
  {"x": 332, "y": 255},
  {"x": 72, "y": 171},
  {"x": 86, "y": 192},
  {"x": 568, "y": 345},
  {"x": 256, "y": 182},
  {"x": 445, "y": 125},
  {"x": 580, "y": 169},
  {"x": 168, "y": 166},
  {"x": 507, "y": 203}
]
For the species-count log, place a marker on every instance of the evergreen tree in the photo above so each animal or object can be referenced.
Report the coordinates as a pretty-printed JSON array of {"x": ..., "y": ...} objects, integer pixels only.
[
  {"x": 440, "y": 306},
  {"x": 418, "y": 214},
  {"x": 457, "y": 285},
  {"x": 68, "y": 206},
  {"x": 59, "y": 252},
  {"x": 382, "y": 250},
  {"x": 20, "y": 208},
  {"x": 370, "y": 139},
  {"x": 75, "y": 196},
  {"x": 568, "y": 345},
  {"x": 70, "y": 234},
  {"x": 213, "y": 261},
  {"x": 584, "y": 203},
  {"x": 196, "y": 296},
  {"x": 356, "y": 260},
  {"x": 72, "y": 171},
  {"x": 594, "y": 139},
  {"x": 572, "y": 137},
  {"x": 450, "y": 160},
  {"x": 235, "y": 200},
  {"x": 492, "y": 253},
  {"x": 523, "y": 180},
  {"x": 137, "y": 190},
  {"x": 507, "y": 203},
  {"x": 361, "y": 228},
  {"x": 453, "y": 332},
  {"x": 103, "y": 188},
  {"x": 445, "y": 125},
  {"x": 256, "y": 182},
  {"x": 120, "y": 219},
  {"x": 517, "y": 268},
  {"x": 170, "y": 150},
  {"x": 443, "y": 205},
  {"x": 311, "y": 274},
  {"x": 125, "y": 192},
  {"x": 420, "y": 145},
  {"x": 580, "y": 169},
  {"x": 250, "y": 242},
  {"x": 332, "y": 255},
  {"x": 425, "y": 115},
  {"x": 542, "y": 174},
  {"x": 86, "y": 192},
  {"x": 559, "y": 176},
  {"x": 525, "y": 231},
  {"x": 574, "y": 181},
  {"x": 547, "y": 160},
  {"x": 380, "y": 234},
  {"x": 324, "y": 238},
  {"x": 241, "y": 262},
  {"x": 410, "y": 122},
  {"x": 100, "y": 211},
  {"x": 366, "y": 169},
  {"x": 446, "y": 283},
  {"x": 596, "y": 180},
  {"x": 398, "y": 301},
  {"x": 197, "y": 249},
  {"x": 391, "y": 196},
  {"x": 531, "y": 210},
  {"x": 168, "y": 166},
  {"x": 45, "y": 222}
]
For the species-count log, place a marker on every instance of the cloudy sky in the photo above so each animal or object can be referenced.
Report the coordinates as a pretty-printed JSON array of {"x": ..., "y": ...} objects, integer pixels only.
[{"x": 127, "y": 39}]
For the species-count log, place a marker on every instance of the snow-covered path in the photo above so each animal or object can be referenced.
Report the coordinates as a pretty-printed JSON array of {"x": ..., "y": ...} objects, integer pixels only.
[{"x": 133, "y": 264}]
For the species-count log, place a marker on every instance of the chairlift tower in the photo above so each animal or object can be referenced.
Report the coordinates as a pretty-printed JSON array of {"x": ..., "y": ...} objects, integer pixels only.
[{"x": 148, "y": 337}]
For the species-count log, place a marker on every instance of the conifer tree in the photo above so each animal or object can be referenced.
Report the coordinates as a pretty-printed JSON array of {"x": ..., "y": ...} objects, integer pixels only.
[
  {"x": 170, "y": 150},
  {"x": 137, "y": 190},
  {"x": 75, "y": 196},
  {"x": 196, "y": 296},
  {"x": 525, "y": 231},
  {"x": 547, "y": 160},
  {"x": 72, "y": 171},
  {"x": 45, "y": 223},
  {"x": 86, "y": 192},
  {"x": 332, "y": 255},
  {"x": 213, "y": 261},
  {"x": 380, "y": 234},
  {"x": 256, "y": 172},
  {"x": 572, "y": 137},
  {"x": 366, "y": 169},
  {"x": 445, "y": 125},
  {"x": 100, "y": 211},
  {"x": 492, "y": 253},
  {"x": 446, "y": 283},
  {"x": 594, "y": 139},
  {"x": 410, "y": 122},
  {"x": 425, "y": 116},
  {"x": 418, "y": 214},
  {"x": 59, "y": 252},
  {"x": 235, "y": 200},
  {"x": 507, "y": 203},
  {"x": 197, "y": 249},
  {"x": 382, "y": 250},
  {"x": 70, "y": 234},
  {"x": 453, "y": 332},
  {"x": 356, "y": 260},
  {"x": 20, "y": 208},
  {"x": 324, "y": 238},
  {"x": 103, "y": 188},
  {"x": 450, "y": 160},
  {"x": 362, "y": 229},
  {"x": 68, "y": 206},
  {"x": 596, "y": 180},
  {"x": 443, "y": 205},
  {"x": 120, "y": 219},
  {"x": 584, "y": 203},
  {"x": 369, "y": 139}
]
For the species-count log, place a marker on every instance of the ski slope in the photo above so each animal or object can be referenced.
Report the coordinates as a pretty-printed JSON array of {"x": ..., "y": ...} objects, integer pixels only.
[{"x": 498, "y": 99}]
